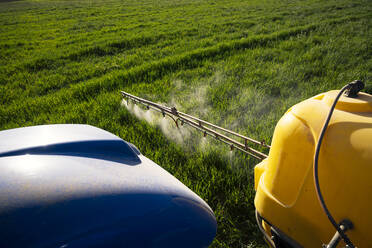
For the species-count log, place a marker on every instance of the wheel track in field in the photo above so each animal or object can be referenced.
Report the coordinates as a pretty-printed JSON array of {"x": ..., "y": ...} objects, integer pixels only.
[
  {"x": 112, "y": 48},
  {"x": 115, "y": 47},
  {"x": 27, "y": 109},
  {"x": 109, "y": 49},
  {"x": 34, "y": 91}
]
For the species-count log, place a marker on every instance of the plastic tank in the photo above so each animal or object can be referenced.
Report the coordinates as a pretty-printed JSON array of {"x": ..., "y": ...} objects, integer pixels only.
[
  {"x": 286, "y": 195},
  {"x": 80, "y": 186}
]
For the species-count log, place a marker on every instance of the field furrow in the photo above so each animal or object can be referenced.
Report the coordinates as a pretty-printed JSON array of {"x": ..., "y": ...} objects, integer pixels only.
[{"x": 155, "y": 70}]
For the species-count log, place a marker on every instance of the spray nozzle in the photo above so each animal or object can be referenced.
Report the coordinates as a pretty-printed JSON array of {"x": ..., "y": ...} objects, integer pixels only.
[
  {"x": 231, "y": 147},
  {"x": 174, "y": 111}
]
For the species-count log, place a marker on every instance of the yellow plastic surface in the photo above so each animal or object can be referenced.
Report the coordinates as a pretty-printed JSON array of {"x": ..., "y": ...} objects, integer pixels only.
[{"x": 284, "y": 181}]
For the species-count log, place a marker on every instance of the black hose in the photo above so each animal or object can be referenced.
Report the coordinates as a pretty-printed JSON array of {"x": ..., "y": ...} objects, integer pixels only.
[{"x": 349, "y": 87}]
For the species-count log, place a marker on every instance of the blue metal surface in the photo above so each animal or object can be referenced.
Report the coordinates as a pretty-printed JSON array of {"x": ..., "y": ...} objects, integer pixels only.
[{"x": 80, "y": 186}]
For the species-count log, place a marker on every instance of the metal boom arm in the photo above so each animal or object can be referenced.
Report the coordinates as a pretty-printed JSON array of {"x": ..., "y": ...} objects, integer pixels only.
[{"x": 203, "y": 126}]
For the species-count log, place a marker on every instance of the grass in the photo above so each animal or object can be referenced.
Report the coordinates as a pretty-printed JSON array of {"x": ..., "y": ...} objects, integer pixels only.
[{"x": 243, "y": 63}]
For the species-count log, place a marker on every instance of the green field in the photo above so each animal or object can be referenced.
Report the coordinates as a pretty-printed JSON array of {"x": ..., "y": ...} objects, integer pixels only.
[{"x": 238, "y": 64}]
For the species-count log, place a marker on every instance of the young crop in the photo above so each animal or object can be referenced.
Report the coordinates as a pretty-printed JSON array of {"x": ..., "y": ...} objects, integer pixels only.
[{"x": 239, "y": 64}]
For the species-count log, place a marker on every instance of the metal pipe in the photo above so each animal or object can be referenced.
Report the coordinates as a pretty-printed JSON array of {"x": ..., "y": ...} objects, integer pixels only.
[
  {"x": 345, "y": 225},
  {"x": 216, "y": 136},
  {"x": 144, "y": 101},
  {"x": 262, "y": 143},
  {"x": 238, "y": 145},
  {"x": 203, "y": 126}
]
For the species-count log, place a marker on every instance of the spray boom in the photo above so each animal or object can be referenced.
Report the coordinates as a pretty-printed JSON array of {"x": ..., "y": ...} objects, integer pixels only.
[{"x": 206, "y": 127}]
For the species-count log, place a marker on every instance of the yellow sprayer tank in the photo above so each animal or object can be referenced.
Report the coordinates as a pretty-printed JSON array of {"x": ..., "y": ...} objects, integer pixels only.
[{"x": 286, "y": 197}]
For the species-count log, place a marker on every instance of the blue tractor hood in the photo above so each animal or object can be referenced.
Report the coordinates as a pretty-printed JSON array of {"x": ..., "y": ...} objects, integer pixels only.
[{"x": 81, "y": 186}]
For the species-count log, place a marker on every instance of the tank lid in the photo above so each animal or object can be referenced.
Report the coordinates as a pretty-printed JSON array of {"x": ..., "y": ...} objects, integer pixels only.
[{"x": 362, "y": 103}]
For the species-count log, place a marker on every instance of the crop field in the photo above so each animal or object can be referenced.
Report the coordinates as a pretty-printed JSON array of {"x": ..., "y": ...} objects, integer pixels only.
[{"x": 238, "y": 63}]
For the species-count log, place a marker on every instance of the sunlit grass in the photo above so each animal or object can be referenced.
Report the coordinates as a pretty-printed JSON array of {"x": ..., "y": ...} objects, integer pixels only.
[{"x": 239, "y": 64}]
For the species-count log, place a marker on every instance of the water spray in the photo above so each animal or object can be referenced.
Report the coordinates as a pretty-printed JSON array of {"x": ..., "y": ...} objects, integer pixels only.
[
  {"x": 207, "y": 128},
  {"x": 286, "y": 196}
]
